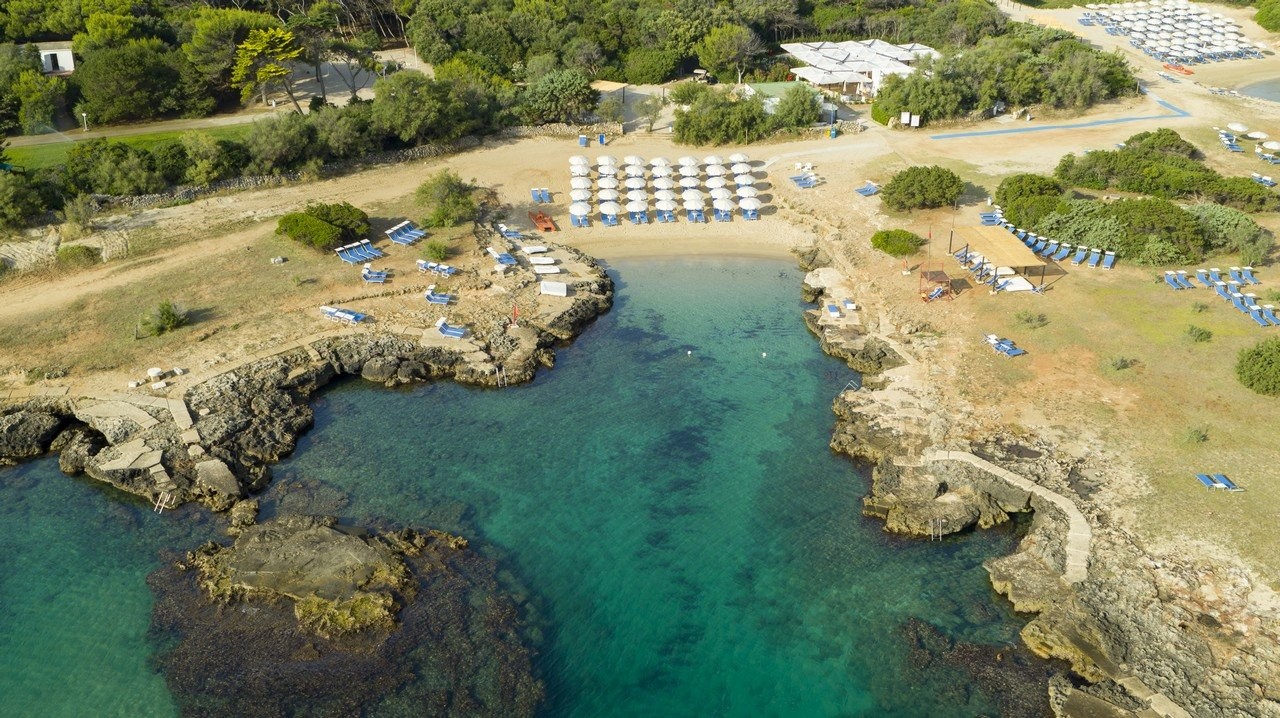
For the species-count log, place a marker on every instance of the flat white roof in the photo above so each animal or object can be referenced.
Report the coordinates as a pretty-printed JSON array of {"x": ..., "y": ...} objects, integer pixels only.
[{"x": 860, "y": 56}]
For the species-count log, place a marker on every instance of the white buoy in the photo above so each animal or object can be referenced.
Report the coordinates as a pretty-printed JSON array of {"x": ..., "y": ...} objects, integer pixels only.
[
  {"x": 689, "y": 353},
  {"x": 764, "y": 355}
]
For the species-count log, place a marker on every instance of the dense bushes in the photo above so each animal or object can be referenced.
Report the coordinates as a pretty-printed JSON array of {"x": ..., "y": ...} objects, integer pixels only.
[
  {"x": 1162, "y": 164},
  {"x": 1026, "y": 198},
  {"x": 922, "y": 187},
  {"x": 352, "y": 222},
  {"x": 1258, "y": 367},
  {"x": 896, "y": 242},
  {"x": 716, "y": 117},
  {"x": 1268, "y": 15},
  {"x": 447, "y": 200},
  {"x": 1029, "y": 65},
  {"x": 1231, "y": 230},
  {"x": 313, "y": 232},
  {"x": 166, "y": 317}
]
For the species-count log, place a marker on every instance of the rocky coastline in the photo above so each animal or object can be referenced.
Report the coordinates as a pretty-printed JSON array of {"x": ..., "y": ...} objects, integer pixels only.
[
  {"x": 1143, "y": 634},
  {"x": 301, "y": 613}
]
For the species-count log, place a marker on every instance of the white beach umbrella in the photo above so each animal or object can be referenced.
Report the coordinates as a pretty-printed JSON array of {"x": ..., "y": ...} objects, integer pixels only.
[
  {"x": 579, "y": 160},
  {"x": 659, "y": 162},
  {"x": 579, "y": 209},
  {"x": 690, "y": 182},
  {"x": 663, "y": 183},
  {"x": 579, "y": 170},
  {"x": 607, "y": 183},
  {"x": 1237, "y": 127},
  {"x": 661, "y": 171},
  {"x": 724, "y": 205},
  {"x": 738, "y": 157},
  {"x": 716, "y": 170},
  {"x": 690, "y": 171},
  {"x": 580, "y": 183},
  {"x": 1256, "y": 135},
  {"x": 635, "y": 170},
  {"x": 665, "y": 205},
  {"x": 580, "y": 195},
  {"x": 744, "y": 180},
  {"x": 664, "y": 194},
  {"x": 607, "y": 195},
  {"x": 694, "y": 204},
  {"x": 607, "y": 170},
  {"x": 740, "y": 168},
  {"x": 606, "y": 160},
  {"x": 636, "y": 183},
  {"x": 747, "y": 192},
  {"x": 637, "y": 206},
  {"x": 633, "y": 160},
  {"x": 712, "y": 160},
  {"x": 690, "y": 194},
  {"x": 637, "y": 195},
  {"x": 1271, "y": 145},
  {"x": 721, "y": 193},
  {"x": 749, "y": 203},
  {"x": 611, "y": 208},
  {"x": 714, "y": 182},
  {"x": 687, "y": 161}
]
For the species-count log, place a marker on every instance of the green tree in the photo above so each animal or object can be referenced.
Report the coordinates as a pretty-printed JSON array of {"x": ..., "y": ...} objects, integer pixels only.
[
  {"x": 309, "y": 230},
  {"x": 799, "y": 107},
  {"x": 1268, "y": 15},
  {"x": 148, "y": 88},
  {"x": 353, "y": 60},
  {"x": 14, "y": 60},
  {"x": 729, "y": 48},
  {"x": 210, "y": 159},
  {"x": 610, "y": 109},
  {"x": 717, "y": 117},
  {"x": 19, "y": 202},
  {"x": 416, "y": 109},
  {"x": 922, "y": 187},
  {"x": 314, "y": 32},
  {"x": 649, "y": 107},
  {"x": 216, "y": 35},
  {"x": 649, "y": 65},
  {"x": 344, "y": 133},
  {"x": 39, "y": 98},
  {"x": 105, "y": 30},
  {"x": 280, "y": 143},
  {"x": 897, "y": 242},
  {"x": 264, "y": 59},
  {"x": 351, "y": 221},
  {"x": 1258, "y": 367},
  {"x": 560, "y": 96},
  {"x": 447, "y": 200}
]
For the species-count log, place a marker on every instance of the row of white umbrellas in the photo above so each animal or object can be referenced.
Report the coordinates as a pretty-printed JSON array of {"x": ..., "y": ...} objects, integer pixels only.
[
  {"x": 686, "y": 161},
  {"x": 639, "y": 195},
  {"x": 739, "y": 168},
  {"x": 607, "y": 182},
  {"x": 583, "y": 209}
]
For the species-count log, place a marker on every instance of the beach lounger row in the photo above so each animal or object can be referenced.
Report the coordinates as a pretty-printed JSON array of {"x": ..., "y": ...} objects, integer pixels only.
[
  {"x": 503, "y": 258},
  {"x": 1228, "y": 140},
  {"x": 374, "y": 276},
  {"x": 435, "y": 297},
  {"x": 540, "y": 195},
  {"x": 1004, "y": 346},
  {"x": 1238, "y": 276},
  {"x": 1267, "y": 157},
  {"x": 358, "y": 252},
  {"x": 1217, "y": 481},
  {"x": 869, "y": 189},
  {"x": 509, "y": 232},
  {"x": 405, "y": 233},
  {"x": 443, "y": 270},
  {"x": 805, "y": 181},
  {"x": 346, "y": 316},
  {"x": 1263, "y": 180}
]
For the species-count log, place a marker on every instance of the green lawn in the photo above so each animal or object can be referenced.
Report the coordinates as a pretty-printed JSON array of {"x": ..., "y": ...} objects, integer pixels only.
[{"x": 36, "y": 156}]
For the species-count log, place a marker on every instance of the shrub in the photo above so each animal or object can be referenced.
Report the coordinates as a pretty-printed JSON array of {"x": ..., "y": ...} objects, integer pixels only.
[
  {"x": 1199, "y": 307},
  {"x": 922, "y": 187},
  {"x": 717, "y": 117},
  {"x": 19, "y": 200},
  {"x": 351, "y": 221},
  {"x": 1031, "y": 320},
  {"x": 649, "y": 65},
  {"x": 435, "y": 250},
  {"x": 896, "y": 242},
  {"x": 77, "y": 256},
  {"x": 166, "y": 317},
  {"x": 1198, "y": 334},
  {"x": 798, "y": 108},
  {"x": 1268, "y": 15},
  {"x": 1120, "y": 363},
  {"x": 1258, "y": 367},
  {"x": 304, "y": 228},
  {"x": 685, "y": 93},
  {"x": 1196, "y": 435},
  {"x": 447, "y": 200}
]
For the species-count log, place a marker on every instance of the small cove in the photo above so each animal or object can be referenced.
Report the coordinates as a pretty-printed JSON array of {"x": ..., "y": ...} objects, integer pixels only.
[{"x": 665, "y": 495}]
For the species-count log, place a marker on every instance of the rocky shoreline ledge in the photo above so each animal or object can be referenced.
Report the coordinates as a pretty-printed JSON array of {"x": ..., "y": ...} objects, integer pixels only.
[
  {"x": 301, "y": 613},
  {"x": 1144, "y": 634}
]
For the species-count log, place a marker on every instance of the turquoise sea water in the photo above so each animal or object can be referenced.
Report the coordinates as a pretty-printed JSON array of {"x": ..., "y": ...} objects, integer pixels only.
[
  {"x": 689, "y": 544},
  {"x": 1266, "y": 90}
]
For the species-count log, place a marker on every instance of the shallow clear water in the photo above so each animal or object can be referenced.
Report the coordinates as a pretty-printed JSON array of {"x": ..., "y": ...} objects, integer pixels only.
[
  {"x": 1266, "y": 90},
  {"x": 689, "y": 544}
]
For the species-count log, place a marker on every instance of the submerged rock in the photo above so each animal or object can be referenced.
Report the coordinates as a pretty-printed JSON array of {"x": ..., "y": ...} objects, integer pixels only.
[{"x": 306, "y": 616}]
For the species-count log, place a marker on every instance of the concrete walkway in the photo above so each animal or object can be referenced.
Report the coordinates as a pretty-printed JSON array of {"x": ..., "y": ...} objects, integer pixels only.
[
  {"x": 1078, "y": 533},
  {"x": 1175, "y": 113}
]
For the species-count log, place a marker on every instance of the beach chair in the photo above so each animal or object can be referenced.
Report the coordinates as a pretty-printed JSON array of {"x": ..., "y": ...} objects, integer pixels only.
[
  {"x": 935, "y": 294},
  {"x": 1215, "y": 275},
  {"x": 1171, "y": 281},
  {"x": 445, "y": 270},
  {"x": 371, "y": 277},
  {"x": 609, "y": 220},
  {"x": 1220, "y": 288},
  {"x": 1226, "y": 483},
  {"x": 450, "y": 331},
  {"x": 1181, "y": 277},
  {"x": 1049, "y": 250},
  {"x": 991, "y": 222},
  {"x": 1040, "y": 245},
  {"x": 868, "y": 189},
  {"x": 424, "y": 266},
  {"x": 999, "y": 286},
  {"x": 1109, "y": 261},
  {"x": 833, "y": 311},
  {"x": 1208, "y": 482},
  {"x": 751, "y": 214},
  {"x": 1081, "y": 251},
  {"x": 1256, "y": 314},
  {"x": 1247, "y": 273},
  {"x": 345, "y": 256},
  {"x": 435, "y": 297},
  {"x": 1237, "y": 300},
  {"x": 1269, "y": 311},
  {"x": 367, "y": 247},
  {"x": 506, "y": 260},
  {"x": 1095, "y": 256},
  {"x": 1063, "y": 252},
  {"x": 1236, "y": 277},
  {"x": 1203, "y": 276}
]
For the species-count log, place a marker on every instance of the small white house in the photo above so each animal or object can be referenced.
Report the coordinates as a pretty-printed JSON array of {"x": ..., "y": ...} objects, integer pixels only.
[{"x": 56, "y": 57}]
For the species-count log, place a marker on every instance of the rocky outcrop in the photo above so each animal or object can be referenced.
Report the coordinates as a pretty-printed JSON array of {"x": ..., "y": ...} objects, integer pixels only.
[
  {"x": 27, "y": 432},
  {"x": 296, "y": 618}
]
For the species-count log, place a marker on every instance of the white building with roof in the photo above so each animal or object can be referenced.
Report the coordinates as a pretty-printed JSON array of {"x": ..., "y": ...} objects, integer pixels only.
[{"x": 854, "y": 66}]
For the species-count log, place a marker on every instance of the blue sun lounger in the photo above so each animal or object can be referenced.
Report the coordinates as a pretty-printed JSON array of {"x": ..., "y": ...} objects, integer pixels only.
[
  {"x": 1203, "y": 276},
  {"x": 1208, "y": 482},
  {"x": 1237, "y": 299},
  {"x": 338, "y": 314},
  {"x": 1004, "y": 346},
  {"x": 1269, "y": 311},
  {"x": 345, "y": 255},
  {"x": 868, "y": 189},
  {"x": 1247, "y": 273},
  {"x": 935, "y": 294},
  {"x": 1215, "y": 276},
  {"x": 1063, "y": 252},
  {"x": 1040, "y": 245},
  {"x": 1053, "y": 247},
  {"x": 1258, "y": 317},
  {"x": 450, "y": 331},
  {"x": 1171, "y": 280},
  {"x": 1226, "y": 483},
  {"x": 435, "y": 297},
  {"x": 1220, "y": 288},
  {"x": 1236, "y": 276},
  {"x": 1081, "y": 251},
  {"x": 1109, "y": 261},
  {"x": 1181, "y": 277},
  {"x": 1095, "y": 256}
]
